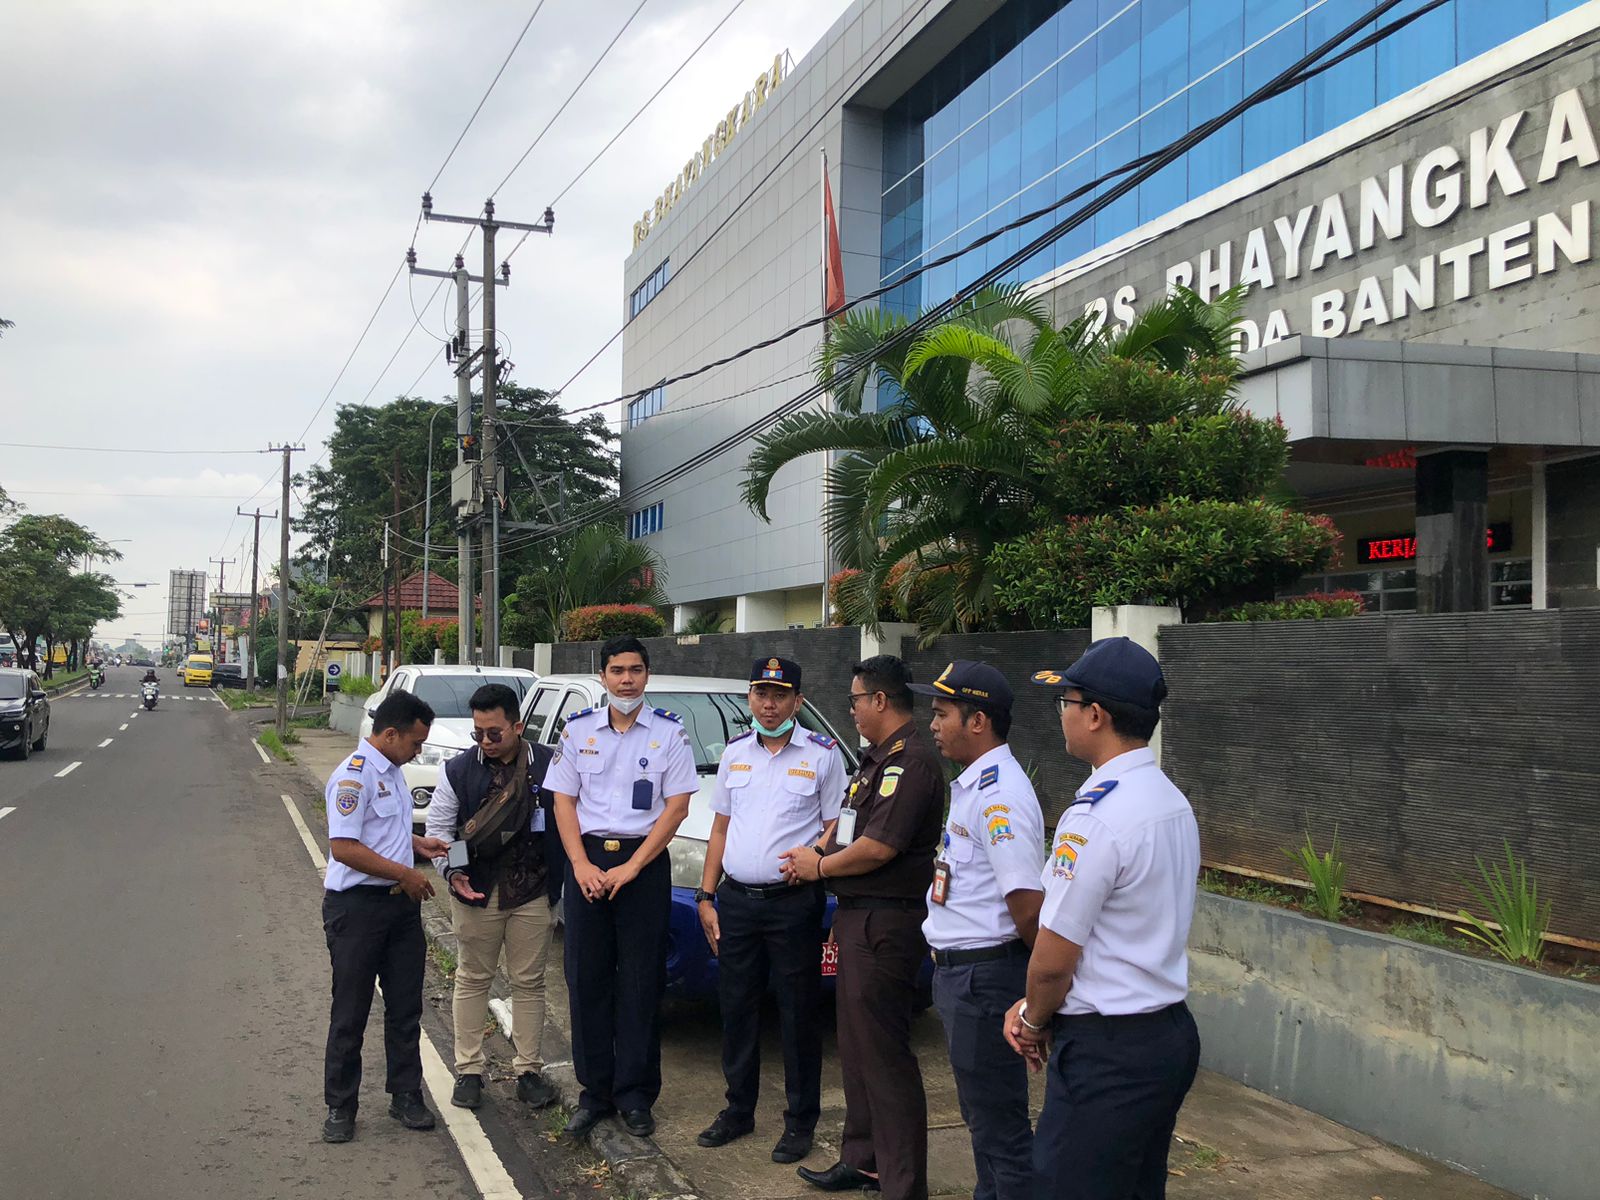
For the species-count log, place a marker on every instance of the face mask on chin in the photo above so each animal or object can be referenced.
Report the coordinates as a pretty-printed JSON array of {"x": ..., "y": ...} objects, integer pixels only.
[
  {"x": 772, "y": 733},
  {"x": 624, "y": 706}
]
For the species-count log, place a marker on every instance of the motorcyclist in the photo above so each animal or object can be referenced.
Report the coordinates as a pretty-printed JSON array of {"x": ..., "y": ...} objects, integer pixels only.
[{"x": 150, "y": 676}]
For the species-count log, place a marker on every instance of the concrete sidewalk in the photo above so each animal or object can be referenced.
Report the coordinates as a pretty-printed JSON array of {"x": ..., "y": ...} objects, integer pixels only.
[{"x": 1233, "y": 1143}]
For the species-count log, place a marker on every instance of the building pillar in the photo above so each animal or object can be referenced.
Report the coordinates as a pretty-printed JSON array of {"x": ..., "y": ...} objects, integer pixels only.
[
  {"x": 1452, "y": 531},
  {"x": 1541, "y": 534}
]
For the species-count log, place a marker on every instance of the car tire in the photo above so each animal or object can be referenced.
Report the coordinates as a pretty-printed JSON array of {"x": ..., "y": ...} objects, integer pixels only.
[
  {"x": 43, "y": 737},
  {"x": 24, "y": 750}
]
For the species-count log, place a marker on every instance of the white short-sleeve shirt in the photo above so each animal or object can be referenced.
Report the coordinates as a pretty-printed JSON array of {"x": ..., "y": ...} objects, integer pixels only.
[
  {"x": 775, "y": 801},
  {"x": 1120, "y": 882},
  {"x": 368, "y": 801},
  {"x": 993, "y": 844},
  {"x": 622, "y": 780}
]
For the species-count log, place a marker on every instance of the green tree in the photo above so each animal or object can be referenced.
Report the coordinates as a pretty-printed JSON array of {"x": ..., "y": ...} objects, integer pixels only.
[
  {"x": 85, "y": 602},
  {"x": 596, "y": 565},
  {"x": 39, "y": 598},
  {"x": 954, "y": 460},
  {"x": 5, "y": 324}
]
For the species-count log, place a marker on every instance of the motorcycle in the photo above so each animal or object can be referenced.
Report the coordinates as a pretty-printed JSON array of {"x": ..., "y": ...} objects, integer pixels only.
[
  {"x": 96, "y": 678},
  {"x": 150, "y": 692}
]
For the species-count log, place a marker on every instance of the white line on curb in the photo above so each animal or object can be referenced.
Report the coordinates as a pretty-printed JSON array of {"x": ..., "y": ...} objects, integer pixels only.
[
  {"x": 5, "y": 812},
  {"x": 121, "y": 727},
  {"x": 68, "y": 769},
  {"x": 261, "y": 752},
  {"x": 105, "y": 743},
  {"x": 488, "y": 1172}
]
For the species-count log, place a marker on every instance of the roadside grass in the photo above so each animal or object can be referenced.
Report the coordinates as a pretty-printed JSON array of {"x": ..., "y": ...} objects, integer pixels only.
[
  {"x": 444, "y": 959},
  {"x": 555, "y": 1120},
  {"x": 1428, "y": 931},
  {"x": 1246, "y": 888},
  {"x": 317, "y": 720},
  {"x": 279, "y": 746},
  {"x": 238, "y": 698},
  {"x": 62, "y": 679}
]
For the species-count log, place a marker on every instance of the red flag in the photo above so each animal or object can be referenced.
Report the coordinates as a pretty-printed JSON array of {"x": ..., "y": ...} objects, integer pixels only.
[{"x": 833, "y": 257}]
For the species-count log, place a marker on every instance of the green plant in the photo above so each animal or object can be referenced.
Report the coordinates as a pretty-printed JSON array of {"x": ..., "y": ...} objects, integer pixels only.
[
  {"x": 358, "y": 686},
  {"x": 707, "y": 622},
  {"x": 1326, "y": 874},
  {"x": 598, "y": 621},
  {"x": 1512, "y": 902},
  {"x": 275, "y": 745},
  {"x": 1314, "y": 606},
  {"x": 1427, "y": 931},
  {"x": 444, "y": 958}
]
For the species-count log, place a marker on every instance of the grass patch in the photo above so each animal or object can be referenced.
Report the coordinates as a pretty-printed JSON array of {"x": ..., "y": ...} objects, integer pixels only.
[
  {"x": 317, "y": 720},
  {"x": 1246, "y": 888},
  {"x": 358, "y": 686},
  {"x": 444, "y": 958},
  {"x": 1206, "y": 1156},
  {"x": 555, "y": 1120},
  {"x": 238, "y": 698},
  {"x": 64, "y": 678},
  {"x": 1429, "y": 932},
  {"x": 278, "y": 746}
]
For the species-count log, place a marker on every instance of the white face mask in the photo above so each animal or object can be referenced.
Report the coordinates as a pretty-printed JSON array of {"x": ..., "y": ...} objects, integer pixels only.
[{"x": 624, "y": 706}]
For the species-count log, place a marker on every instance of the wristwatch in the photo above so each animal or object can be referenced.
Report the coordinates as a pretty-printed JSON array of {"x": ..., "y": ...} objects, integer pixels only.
[{"x": 701, "y": 895}]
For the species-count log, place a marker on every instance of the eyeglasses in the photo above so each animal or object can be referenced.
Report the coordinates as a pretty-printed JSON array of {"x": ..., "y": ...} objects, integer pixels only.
[
  {"x": 1063, "y": 700},
  {"x": 492, "y": 736},
  {"x": 854, "y": 696}
]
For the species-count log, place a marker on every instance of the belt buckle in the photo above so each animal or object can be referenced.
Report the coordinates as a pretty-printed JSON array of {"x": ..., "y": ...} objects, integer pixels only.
[{"x": 612, "y": 845}]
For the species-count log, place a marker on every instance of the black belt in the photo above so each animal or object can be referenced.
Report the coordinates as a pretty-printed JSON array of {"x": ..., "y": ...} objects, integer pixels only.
[
  {"x": 1017, "y": 948},
  {"x": 1110, "y": 1021},
  {"x": 612, "y": 845},
  {"x": 763, "y": 891},
  {"x": 897, "y": 903}
]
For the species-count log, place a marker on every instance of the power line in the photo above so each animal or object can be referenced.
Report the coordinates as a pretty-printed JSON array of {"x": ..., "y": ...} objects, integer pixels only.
[
  {"x": 366, "y": 329},
  {"x": 118, "y": 449}
]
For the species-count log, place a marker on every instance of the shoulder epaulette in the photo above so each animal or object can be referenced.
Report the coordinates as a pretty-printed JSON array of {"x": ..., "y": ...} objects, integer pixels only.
[
  {"x": 582, "y": 712},
  {"x": 823, "y": 740},
  {"x": 900, "y": 744},
  {"x": 671, "y": 716},
  {"x": 1098, "y": 792},
  {"x": 742, "y": 736},
  {"x": 989, "y": 776},
  {"x": 357, "y": 761}
]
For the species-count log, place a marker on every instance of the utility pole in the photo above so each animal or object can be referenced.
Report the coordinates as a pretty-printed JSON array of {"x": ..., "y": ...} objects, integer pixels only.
[
  {"x": 217, "y": 644},
  {"x": 489, "y": 476},
  {"x": 283, "y": 594},
  {"x": 255, "y": 595},
  {"x": 393, "y": 561}
]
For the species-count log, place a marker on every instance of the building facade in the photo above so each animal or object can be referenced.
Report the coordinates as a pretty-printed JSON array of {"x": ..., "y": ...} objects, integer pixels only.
[{"x": 1413, "y": 226}]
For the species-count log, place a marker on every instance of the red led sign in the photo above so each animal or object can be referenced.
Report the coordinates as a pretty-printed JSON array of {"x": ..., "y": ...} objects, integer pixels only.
[{"x": 1402, "y": 547}]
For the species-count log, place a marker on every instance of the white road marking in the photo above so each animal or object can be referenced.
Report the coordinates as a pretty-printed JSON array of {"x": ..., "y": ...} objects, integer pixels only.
[
  {"x": 68, "y": 769},
  {"x": 105, "y": 743},
  {"x": 121, "y": 727},
  {"x": 6, "y": 811},
  {"x": 483, "y": 1162},
  {"x": 261, "y": 752},
  {"x": 132, "y": 716}
]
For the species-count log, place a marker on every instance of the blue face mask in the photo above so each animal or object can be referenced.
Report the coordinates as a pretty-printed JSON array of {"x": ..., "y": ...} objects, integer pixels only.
[{"x": 772, "y": 733}]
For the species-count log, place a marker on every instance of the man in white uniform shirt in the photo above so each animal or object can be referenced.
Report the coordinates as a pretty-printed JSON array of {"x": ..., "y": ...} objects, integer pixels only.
[
  {"x": 1110, "y": 970},
  {"x": 983, "y": 912},
  {"x": 622, "y": 778},
  {"x": 777, "y": 786}
]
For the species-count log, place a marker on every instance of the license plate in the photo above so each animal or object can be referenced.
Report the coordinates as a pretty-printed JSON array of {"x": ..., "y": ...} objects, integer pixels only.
[{"x": 830, "y": 958}]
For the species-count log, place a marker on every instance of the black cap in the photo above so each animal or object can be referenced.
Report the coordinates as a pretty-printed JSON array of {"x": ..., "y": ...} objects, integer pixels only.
[
  {"x": 780, "y": 671},
  {"x": 1116, "y": 668},
  {"x": 971, "y": 683}
]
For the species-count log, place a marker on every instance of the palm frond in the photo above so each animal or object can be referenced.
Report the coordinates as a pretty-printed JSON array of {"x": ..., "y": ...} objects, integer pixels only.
[{"x": 803, "y": 433}]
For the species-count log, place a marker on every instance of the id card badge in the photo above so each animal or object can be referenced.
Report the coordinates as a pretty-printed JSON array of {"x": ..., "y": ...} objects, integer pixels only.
[
  {"x": 845, "y": 832},
  {"x": 457, "y": 855},
  {"x": 941, "y": 883},
  {"x": 644, "y": 795}
]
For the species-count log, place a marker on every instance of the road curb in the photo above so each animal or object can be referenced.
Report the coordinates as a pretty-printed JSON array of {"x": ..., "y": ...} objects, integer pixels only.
[{"x": 638, "y": 1163}]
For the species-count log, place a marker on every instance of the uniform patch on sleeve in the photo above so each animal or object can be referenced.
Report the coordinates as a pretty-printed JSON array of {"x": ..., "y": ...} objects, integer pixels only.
[
  {"x": 1065, "y": 860},
  {"x": 890, "y": 781},
  {"x": 997, "y": 819},
  {"x": 347, "y": 796},
  {"x": 990, "y": 776}
]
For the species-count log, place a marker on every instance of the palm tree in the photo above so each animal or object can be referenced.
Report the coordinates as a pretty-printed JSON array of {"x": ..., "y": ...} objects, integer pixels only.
[
  {"x": 599, "y": 565},
  {"x": 5, "y": 324},
  {"x": 948, "y": 467}
]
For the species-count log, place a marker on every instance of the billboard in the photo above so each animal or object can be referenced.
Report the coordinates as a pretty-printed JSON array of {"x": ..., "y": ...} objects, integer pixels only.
[
  {"x": 186, "y": 602},
  {"x": 232, "y": 610}
]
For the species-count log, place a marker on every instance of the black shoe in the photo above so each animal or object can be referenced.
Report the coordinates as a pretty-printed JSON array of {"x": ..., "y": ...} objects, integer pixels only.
[
  {"x": 791, "y": 1147},
  {"x": 838, "y": 1178},
  {"x": 724, "y": 1129},
  {"x": 534, "y": 1089},
  {"x": 585, "y": 1119},
  {"x": 409, "y": 1109},
  {"x": 340, "y": 1125},
  {"x": 469, "y": 1092},
  {"x": 639, "y": 1122}
]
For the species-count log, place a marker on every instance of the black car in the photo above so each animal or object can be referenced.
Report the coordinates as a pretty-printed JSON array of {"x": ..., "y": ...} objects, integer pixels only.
[
  {"x": 24, "y": 712},
  {"x": 228, "y": 675}
]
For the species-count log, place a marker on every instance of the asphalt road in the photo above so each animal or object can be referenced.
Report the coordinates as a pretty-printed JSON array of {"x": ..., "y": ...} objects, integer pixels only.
[{"x": 164, "y": 982}]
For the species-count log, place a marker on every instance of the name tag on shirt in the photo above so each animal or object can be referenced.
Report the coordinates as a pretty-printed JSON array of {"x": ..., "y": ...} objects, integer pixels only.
[
  {"x": 845, "y": 832},
  {"x": 537, "y": 823},
  {"x": 644, "y": 794}
]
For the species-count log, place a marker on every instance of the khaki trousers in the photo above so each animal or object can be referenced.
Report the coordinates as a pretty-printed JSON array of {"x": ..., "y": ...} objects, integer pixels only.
[{"x": 523, "y": 933}]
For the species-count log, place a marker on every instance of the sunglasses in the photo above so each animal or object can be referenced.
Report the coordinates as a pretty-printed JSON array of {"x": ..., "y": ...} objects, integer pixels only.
[{"x": 492, "y": 736}]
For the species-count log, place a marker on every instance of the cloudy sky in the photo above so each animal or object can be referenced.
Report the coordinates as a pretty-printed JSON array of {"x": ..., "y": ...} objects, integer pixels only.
[{"x": 203, "y": 202}]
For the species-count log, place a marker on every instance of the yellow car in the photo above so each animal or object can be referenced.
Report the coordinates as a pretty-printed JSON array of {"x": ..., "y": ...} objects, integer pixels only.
[{"x": 197, "y": 671}]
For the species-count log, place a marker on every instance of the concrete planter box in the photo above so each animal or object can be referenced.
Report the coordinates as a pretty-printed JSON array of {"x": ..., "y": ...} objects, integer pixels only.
[
  {"x": 346, "y": 713},
  {"x": 1483, "y": 1065}
]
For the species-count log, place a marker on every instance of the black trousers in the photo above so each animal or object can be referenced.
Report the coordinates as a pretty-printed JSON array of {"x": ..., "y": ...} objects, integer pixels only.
[
  {"x": 615, "y": 954},
  {"x": 776, "y": 937},
  {"x": 885, "y": 1107},
  {"x": 991, "y": 1080},
  {"x": 374, "y": 936},
  {"x": 1112, "y": 1096}
]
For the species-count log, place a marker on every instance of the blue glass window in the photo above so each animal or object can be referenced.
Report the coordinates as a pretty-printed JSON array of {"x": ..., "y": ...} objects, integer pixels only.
[
  {"x": 642, "y": 408},
  {"x": 650, "y": 288},
  {"x": 1048, "y": 95},
  {"x": 645, "y": 521}
]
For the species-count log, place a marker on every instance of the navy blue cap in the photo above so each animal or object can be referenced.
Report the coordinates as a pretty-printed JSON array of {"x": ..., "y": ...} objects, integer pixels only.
[
  {"x": 1116, "y": 668},
  {"x": 971, "y": 683},
  {"x": 779, "y": 671}
]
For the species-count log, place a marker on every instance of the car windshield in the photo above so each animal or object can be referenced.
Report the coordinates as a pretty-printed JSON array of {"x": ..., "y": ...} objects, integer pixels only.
[
  {"x": 200, "y": 664},
  {"x": 447, "y": 695},
  {"x": 715, "y": 719},
  {"x": 12, "y": 687}
]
